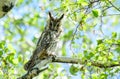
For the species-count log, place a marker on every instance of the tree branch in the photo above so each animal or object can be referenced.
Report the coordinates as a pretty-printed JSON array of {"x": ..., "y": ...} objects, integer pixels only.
[
  {"x": 42, "y": 63},
  {"x": 37, "y": 68},
  {"x": 34, "y": 72},
  {"x": 113, "y": 5},
  {"x": 79, "y": 61}
]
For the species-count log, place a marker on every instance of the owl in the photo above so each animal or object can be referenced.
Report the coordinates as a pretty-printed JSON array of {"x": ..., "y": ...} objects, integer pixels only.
[{"x": 47, "y": 42}]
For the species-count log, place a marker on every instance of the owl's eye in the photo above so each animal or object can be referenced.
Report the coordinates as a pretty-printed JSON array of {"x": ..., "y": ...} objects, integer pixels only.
[
  {"x": 50, "y": 24},
  {"x": 56, "y": 30},
  {"x": 58, "y": 25}
]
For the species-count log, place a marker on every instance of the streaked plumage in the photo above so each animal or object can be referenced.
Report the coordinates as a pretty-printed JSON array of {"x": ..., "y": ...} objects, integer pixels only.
[{"x": 47, "y": 42}]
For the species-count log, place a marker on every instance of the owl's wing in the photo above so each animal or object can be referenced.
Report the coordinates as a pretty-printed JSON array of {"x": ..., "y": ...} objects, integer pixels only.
[
  {"x": 41, "y": 37},
  {"x": 38, "y": 54},
  {"x": 44, "y": 39}
]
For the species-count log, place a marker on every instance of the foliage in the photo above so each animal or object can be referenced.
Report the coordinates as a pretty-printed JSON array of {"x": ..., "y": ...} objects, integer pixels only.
[{"x": 91, "y": 32}]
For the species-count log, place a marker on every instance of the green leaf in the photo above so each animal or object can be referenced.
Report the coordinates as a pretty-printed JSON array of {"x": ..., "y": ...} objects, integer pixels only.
[
  {"x": 73, "y": 70},
  {"x": 15, "y": 61},
  {"x": 115, "y": 62},
  {"x": 96, "y": 12},
  {"x": 20, "y": 58},
  {"x": 67, "y": 36},
  {"x": 103, "y": 76},
  {"x": 100, "y": 58},
  {"x": 86, "y": 54},
  {"x": 108, "y": 41},
  {"x": 99, "y": 41},
  {"x": 101, "y": 47},
  {"x": 114, "y": 34},
  {"x": 10, "y": 58},
  {"x": 63, "y": 51},
  {"x": 84, "y": 3},
  {"x": 1, "y": 53},
  {"x": 2, "y": 44},
  {"x": 95, "y": 76},
  {"x": 89, "y": 64},
  {"x": 118, "y": 49},
  {"x": 91, "y": 54},
  {"x": 118, "y": 41}
]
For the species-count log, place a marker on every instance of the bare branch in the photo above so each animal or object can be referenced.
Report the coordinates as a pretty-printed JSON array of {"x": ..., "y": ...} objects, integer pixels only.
[
  {"x": 112, "y": 15},
  {"x": 79, "y": 61},
  {"x": 113, "y": 5}
]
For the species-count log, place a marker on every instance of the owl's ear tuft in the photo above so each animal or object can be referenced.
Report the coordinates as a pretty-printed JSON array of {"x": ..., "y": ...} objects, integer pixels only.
[
  {"x": 61, "y": 17},
  {"x": 51, "y": 16}
]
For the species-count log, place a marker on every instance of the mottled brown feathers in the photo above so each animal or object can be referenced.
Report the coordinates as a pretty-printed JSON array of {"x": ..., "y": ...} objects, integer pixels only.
[{"x": 47, "y": 42}]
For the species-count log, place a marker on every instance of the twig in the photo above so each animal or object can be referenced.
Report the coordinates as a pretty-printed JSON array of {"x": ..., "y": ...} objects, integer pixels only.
[
  {"x": 111, "y": 15},
  {"x": 76, "y": 29},
  {"x": 101, "y": 20},
  {"x": 114, "y": 5}
]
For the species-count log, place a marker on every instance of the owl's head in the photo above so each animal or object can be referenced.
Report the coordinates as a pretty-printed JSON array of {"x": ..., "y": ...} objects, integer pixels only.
[{"x": 54, "y": 23}]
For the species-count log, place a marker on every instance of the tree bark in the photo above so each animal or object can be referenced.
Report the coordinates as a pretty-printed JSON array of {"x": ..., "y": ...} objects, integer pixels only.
[{"x": 42, "y": 63}]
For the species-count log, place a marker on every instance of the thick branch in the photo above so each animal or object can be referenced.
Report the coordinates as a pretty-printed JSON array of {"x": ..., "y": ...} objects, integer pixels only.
[
  {"x": 37, "y": 69},
  {"x": 79, "y": 61},
  {"x": 34, "y": 72}
]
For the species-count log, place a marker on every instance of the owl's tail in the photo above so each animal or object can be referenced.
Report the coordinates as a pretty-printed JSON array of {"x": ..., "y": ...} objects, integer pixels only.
[{"x": 29, "y": 65}]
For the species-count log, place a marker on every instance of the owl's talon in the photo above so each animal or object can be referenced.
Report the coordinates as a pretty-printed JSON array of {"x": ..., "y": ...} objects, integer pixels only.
[
  {"x": 53, "y": 56},
  {"x": 34, "y": 69}
]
